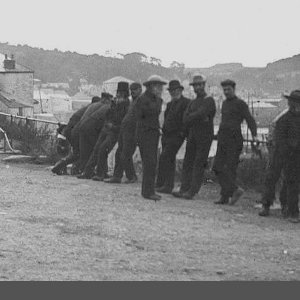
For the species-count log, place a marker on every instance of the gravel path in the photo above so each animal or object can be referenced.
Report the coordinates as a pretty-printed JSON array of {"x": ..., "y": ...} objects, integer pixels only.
[{"x": 61, "y": 228}]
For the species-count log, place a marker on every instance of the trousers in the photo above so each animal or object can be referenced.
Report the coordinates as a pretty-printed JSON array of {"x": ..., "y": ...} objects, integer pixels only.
[
  {"x": 226, "y": 164},
  {"x": 147, "y": 140},
  {"x": 123, "y": 157},
  {"x": 195, "y": 163},
  {"x": 167, "y": 160}
]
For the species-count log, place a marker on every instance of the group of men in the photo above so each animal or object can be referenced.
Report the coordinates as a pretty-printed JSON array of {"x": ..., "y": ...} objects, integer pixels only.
[{"x": 94, "y": 130}]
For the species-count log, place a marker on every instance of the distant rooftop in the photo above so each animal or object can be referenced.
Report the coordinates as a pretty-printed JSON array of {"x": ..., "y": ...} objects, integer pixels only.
[
  {"x": 11, "y": 103},
  {"x": 18, "y": 68}
]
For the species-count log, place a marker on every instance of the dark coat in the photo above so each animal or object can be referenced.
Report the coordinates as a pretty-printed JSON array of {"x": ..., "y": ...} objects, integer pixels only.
[
  {"x": 287, "y": 133},
  {"x": 199, "y": 117},
  {"x": 234, "y": 112},
  {"x": 148, "y": 108},
  {"x": 173, "y": 118}
]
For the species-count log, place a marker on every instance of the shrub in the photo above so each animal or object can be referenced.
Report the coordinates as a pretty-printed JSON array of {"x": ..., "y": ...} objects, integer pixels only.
[{"x": 31, "y": 138}]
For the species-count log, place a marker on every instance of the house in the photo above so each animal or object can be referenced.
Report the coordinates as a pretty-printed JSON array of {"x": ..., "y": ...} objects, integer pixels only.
[
  {"x": 51, "y": 101},
  {"x": 110, "y": 86},
  {"x": 16, "y": 87},
  {"x": 80, "y": 100}
]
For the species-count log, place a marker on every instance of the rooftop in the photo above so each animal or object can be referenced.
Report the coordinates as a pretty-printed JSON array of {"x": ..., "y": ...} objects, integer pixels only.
[
  {"x": 11, "y": 103},
  {"x": 18, "y": 69}
]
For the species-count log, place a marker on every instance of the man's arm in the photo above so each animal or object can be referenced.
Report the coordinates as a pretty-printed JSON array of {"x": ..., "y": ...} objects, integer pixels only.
[
  {"x": 204, "y": 113},
  {"x": 249, "y": 119}
]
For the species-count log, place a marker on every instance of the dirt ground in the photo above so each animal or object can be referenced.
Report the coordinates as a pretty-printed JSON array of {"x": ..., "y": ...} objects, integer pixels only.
[{"x": 61, "y": 228}]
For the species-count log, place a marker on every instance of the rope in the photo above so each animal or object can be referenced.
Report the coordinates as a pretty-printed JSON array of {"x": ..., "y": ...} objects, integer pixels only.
[{"x": 8, "y": 143}]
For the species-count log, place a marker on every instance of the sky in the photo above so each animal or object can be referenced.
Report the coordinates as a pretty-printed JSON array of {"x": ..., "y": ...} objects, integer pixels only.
[{"x": 195, "y": 32}]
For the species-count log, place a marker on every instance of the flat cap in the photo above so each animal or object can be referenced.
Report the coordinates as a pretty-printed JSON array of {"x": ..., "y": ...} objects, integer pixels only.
[{"x": 228, "y": 82}]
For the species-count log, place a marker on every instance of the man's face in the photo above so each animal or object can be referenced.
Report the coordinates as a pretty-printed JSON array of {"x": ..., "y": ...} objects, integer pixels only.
[
  {"x": 229, "y": 91},
  {"x": 175, "y": 94},
  {"x": 199, "y": 88},
  {"x": 136, "y": 93},
  {"x": 121, "y": 96},
  {"x": 157, "y": 89}
]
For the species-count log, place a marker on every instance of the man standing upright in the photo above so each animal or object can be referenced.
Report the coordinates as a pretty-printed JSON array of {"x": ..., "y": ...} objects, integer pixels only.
[
  {"x": 174, "y": 133},
  {"x": 148, "y": 108},
  {"x": 198, "y": 118},
  {"x": 286, "y": 157},
  {"x": 127, "y": 142},
  {"x": 230, "y": 142}
]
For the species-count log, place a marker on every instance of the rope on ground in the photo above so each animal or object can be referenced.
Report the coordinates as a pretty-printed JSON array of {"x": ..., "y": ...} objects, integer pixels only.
[{"x": 8, "y": 142}]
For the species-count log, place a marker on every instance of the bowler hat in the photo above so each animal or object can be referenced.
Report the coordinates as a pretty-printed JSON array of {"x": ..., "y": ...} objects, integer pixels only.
[
  {"x": 154, "y": 79},
  {"x": 198, "y": 79},
  {"x": 106, "y": 95},
  {"x": 228, "y": 82},
  {"x": 123, "y": 86},
  {"x": 135, "y": 86},
  {"x": 174, "y": 85},
  {"x": 294, "y": 96}
]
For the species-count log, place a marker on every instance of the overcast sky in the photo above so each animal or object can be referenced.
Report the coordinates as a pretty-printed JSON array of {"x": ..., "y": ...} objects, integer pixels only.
[{"x": 196, "y": 32}]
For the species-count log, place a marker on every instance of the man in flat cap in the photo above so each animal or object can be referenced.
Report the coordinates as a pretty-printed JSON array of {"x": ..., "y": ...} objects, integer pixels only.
[
  {"x": 109, "y": 134},
  {"x": 68, "y": 135},
  {"x": 148, "y": 109},
  {"x": 174, "y": 134},
  {"x": 127, "y": 141},
  {"x": 198, "y": 118},
  {"x": 230, "y": 142},
  {"x": 286, "y": 157}
]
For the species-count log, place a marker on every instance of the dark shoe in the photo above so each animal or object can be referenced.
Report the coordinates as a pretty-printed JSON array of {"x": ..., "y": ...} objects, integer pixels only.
[
  {"x": 285, "y": 212},
  {"x": 98, "y": 178},
  {"x": 113, "y": 180},
  {"x": 59, "y": 167},
  {"x": 188, "y": 196},
  {"x": 238, "y": 193},
  {"x": 84, "y": 176},
  {"x": 265, "y": 211},
  {"x": 154, "y": 197},
  {"x": 130, "y": 181},
  {"x": 294, "y": 219},
  {"x": 178, "y": 194},
  {"x": 223, "y": 200},
  {"x": 164, "y": 190}
]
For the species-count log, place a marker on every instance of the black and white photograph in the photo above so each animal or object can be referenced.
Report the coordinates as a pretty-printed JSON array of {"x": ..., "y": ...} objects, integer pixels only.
[{"x": 147, "y": 140}]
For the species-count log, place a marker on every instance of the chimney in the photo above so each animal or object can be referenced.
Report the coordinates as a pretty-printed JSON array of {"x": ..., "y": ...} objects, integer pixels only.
[{"x": 9, "y": 64}]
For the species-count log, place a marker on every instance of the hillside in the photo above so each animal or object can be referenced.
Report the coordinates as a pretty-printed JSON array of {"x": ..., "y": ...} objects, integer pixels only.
[{"x": 58, "y": 66}]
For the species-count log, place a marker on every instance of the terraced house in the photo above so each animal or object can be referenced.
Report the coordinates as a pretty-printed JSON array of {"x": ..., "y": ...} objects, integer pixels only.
[{"x": 16, "y": 87}]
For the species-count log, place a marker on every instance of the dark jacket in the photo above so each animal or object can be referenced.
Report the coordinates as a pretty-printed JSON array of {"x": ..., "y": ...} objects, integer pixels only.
[
  {"x": 93, "y": 119},
  {"x": 173, "y": 118},
  {"x": 287, "y": 133},
  {"x": 130, "y": 119},
  {"x": 234, "y": 112},
  {"x": 115, "y": 115},
  {"x": 199, "y": 116},
  {"x": 148, "y": 108},
  {"x": 74, "y": 120}
]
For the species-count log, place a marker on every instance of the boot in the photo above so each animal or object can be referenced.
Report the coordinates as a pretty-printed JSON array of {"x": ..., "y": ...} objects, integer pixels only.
[
  {"x": 59, "y": 166},
  {"x": 85, "y": 176},
  {"x": 153, "y": 197},
  {"x": 178, "y": 194},
  {"x": 113, "y": 180},
  {"x": 188, "y": 196},
  {"x": 265, "y": 211},
  {"x": 238, "y": 193},
  {"x": 98, "y": 178},
  {"x": 130, "y": 181},
  {"x": 223, "y": 200},
  {"x": 164, "y": 190}
]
